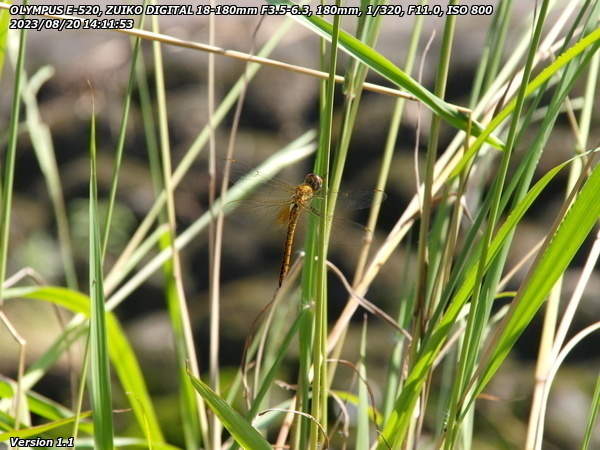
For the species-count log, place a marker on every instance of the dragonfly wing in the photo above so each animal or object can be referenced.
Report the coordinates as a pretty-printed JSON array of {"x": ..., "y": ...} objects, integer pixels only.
[{"x": 354, "y": 200}]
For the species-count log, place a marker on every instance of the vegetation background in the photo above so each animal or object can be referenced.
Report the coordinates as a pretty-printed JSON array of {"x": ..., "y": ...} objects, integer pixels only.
[{"x": 71, "y": 77}]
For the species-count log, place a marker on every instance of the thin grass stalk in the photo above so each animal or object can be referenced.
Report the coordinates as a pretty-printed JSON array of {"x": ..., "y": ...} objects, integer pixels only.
[
  {"x": 421, "y": 304},
  {"x": 18, "y": 398},
  {"x": 220, "y": 218},
  {"x": 367, "y": 32},
  {"x": 215, "y": 307},
  {"x": 5, "y": 209},
  {"x": 179, "y": 302},
  {"x": 303, "y": 430},
  {"x": 319, "y": 384},
  {"x": 592, "y": 416},
  {"x": 4, "y": 24},
  {"x": 9, "y": 159},
  {"x": 81, "y": 392},
  {"x": 41, "y": 141},
  {"x": 192, "y": 153},
  {"x": 422, "y": 300},
  {"x": 121, "y": 138},
  {"x": 543, "y": 385},
  {"x": 100, "y": 384},
  {"x": 388, "y": 152},
  {"x": 549, "y": 342},
  {"x": 160, "y": 238},
  {"x": 479, "y": 309},
  {"x": 487, "y": 69},
  {"x": 442, "y": 280},
  {"x": 362, "y": 432},
  {"x": 560, "y": 357}
]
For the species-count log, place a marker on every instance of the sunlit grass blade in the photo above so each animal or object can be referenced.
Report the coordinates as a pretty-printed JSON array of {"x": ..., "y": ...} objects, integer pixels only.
[
  {"x": 397, "y": 424},
  {"x": 39, "y": 429},
  {"x": 588, "y": 42},
  {"x": 374, "y": 415},
  {"x": 121, "y": 138},
  {"x": 41, "y": 140},
  {"x": 244, "y": 433},
  {"x": 592, "y": 416},
  {"x": 9, "y": 160},
  {"x": 269, "y": 378},
  {"x": 121, "y": 354},
  {"x": 43, "y": 406},
  {"x": 380, "y": 64},
  {"x": 100, "y": 383},
  {"x": 127, "y": 442},
  {"x": 4, "y": 21},
  {"x": 567, "y": 240},
  {"x": 362, "y": 426}
]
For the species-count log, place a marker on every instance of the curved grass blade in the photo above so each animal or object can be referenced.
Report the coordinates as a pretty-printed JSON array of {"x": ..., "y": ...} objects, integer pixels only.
[
  {"x": 577, "y": 224},
  {"x": 244, "y": 433},
  {"x": 588, "y": 41},
  {"x": 42, "y": 406},
  {"x": 592, "y": 416},
  {"x": 380, "y": 64},
  {"x": 39, "y": 429},
  {"x": 396, "y": 426},
  {"x": 122, "y": 356}
]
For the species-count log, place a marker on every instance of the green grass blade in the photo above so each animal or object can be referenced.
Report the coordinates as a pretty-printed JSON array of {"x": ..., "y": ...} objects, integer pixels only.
[
  {"x": 362, "y": 426},
  {"x": 43, "y": 406},
  {"x": 39, "y": 429},
  {"x": 269, "y": 378},
  {"x": 374, "y": 415},
  {"x": 41, "y": 141},
  {"x": 122, "y": 135},
  {"x": 122, "y": 356},
  {"x": 592, "y": 417},
  {"x": 4, "y": 21},
  {"x": 395, "y": 427},
  {"x": 590, "y": 41},
  {"x": 9, "y": 160},
  {"x": 127, "y": 442},
  {"x": 267, "y": 382},
  {"x": 244, "y": 434},
  {"x": 380, "y": 64},
  {"x": 567, "y": 240},
  {"x": 100, "y": 384}
]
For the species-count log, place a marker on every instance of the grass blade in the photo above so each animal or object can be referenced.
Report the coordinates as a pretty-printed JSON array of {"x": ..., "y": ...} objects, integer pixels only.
[
  {"x": 567, "y": 240},
  {"x": 121, "y": 354},
  {"x": 39, "y": 429},
  {"x": 397, "y": 423},
  {"x": 592, "y": 417},
  {"x": 380, "y": 64},
  {"x": 101, "y": 397},
  {"x": 244, "y": 434},
  {"x": 4, "y": 21},
  {"x": 9, "y": 161}
]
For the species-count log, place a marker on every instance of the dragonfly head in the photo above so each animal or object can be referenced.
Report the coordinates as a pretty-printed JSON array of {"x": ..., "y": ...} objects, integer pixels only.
[{"x": 314, "y": 181}]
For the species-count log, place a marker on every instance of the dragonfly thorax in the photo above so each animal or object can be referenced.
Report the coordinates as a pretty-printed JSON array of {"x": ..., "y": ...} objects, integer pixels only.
[{"x": 303, "y": 194}]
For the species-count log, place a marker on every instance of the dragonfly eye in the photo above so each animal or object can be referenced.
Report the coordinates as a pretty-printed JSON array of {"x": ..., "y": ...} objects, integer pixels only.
[{"x": 314, "y": 181}]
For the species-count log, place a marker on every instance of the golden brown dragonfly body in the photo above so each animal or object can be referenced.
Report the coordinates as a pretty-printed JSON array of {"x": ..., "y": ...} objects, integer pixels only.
[{"x": 300, "y": 200}]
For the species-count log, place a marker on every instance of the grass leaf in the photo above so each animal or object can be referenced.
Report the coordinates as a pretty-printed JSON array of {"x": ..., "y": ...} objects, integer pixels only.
[{"x": 244, "y": 433}]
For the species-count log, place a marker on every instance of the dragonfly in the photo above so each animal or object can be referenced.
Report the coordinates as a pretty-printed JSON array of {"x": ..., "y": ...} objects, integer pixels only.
[
  {"x": 294, "y": 201},
  {"x": 300, "y": 200}
]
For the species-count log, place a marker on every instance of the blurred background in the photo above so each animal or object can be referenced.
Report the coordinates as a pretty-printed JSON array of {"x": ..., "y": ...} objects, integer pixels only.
[{"x": 279, "y": 107}]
